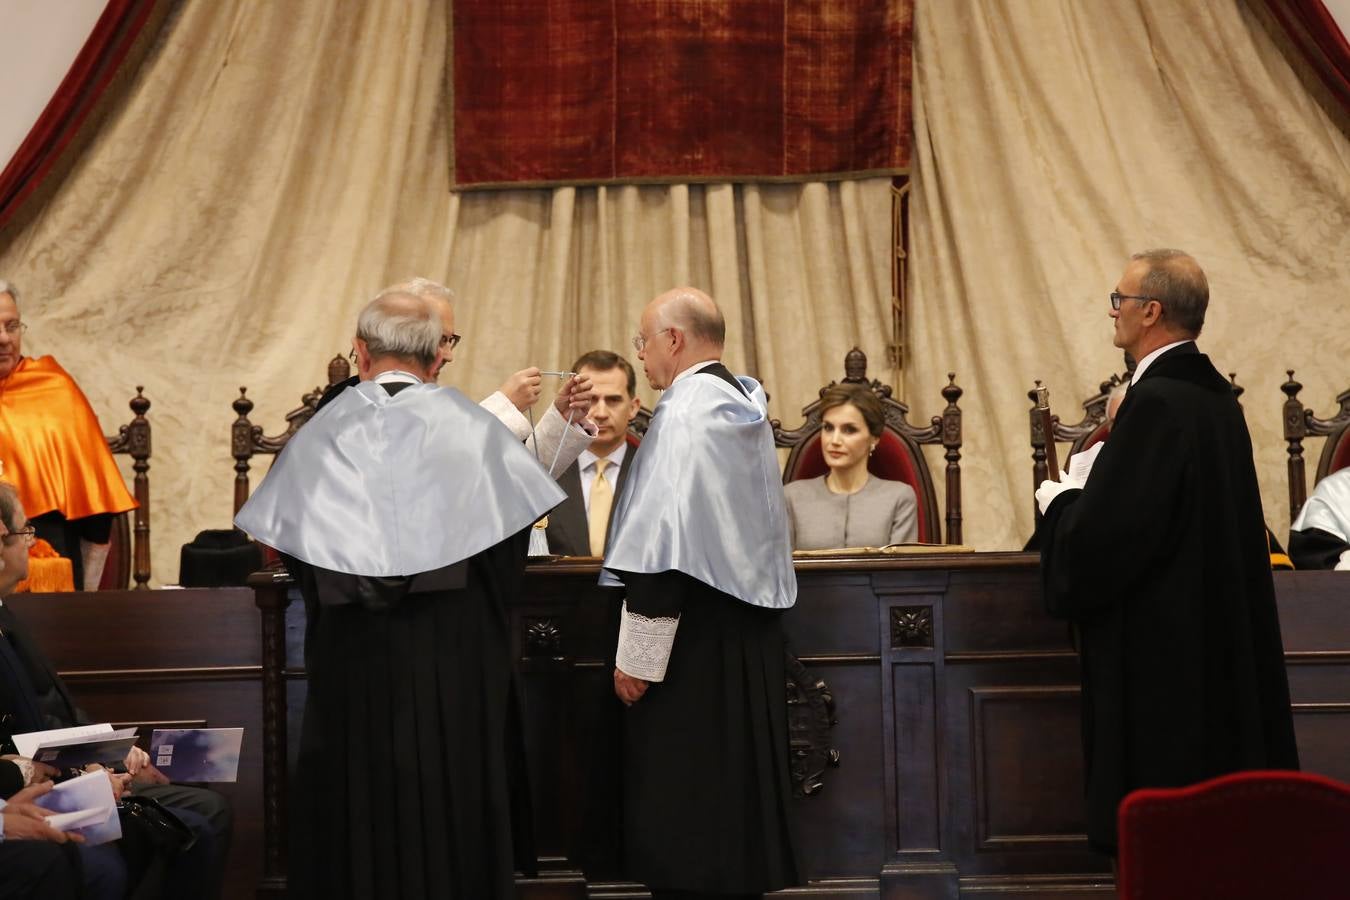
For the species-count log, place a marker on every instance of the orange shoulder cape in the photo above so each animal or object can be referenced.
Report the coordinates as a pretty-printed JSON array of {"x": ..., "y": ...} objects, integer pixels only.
[{"x": 52, "y": 446}]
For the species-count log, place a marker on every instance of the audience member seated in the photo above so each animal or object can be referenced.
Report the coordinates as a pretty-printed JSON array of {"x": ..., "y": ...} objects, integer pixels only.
[
  {"x": 33, "y": 698},
  {"x": 37, "y": 862},
  {"x": 53, "y": 449},
  {"x": 848, "y": 506},
  {"x": 579, "y": 525},
  {"x": 1320, "y": 536}
]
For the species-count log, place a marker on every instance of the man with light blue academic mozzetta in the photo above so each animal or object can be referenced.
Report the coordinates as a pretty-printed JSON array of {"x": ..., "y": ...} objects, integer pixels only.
[{"x": 699, "y": 541}]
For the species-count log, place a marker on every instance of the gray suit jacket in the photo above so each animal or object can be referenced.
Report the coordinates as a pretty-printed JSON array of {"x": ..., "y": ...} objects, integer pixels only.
[{"x": 569, "y": 531}]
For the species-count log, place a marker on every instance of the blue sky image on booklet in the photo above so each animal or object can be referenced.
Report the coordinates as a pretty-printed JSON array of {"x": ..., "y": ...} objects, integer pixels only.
[{"x": 197, "y": 754}]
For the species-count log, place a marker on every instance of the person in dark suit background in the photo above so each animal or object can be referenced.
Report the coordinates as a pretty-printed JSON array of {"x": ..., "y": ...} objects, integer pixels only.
[
  {"x": 579, "y": 525},
  {"x": 33, "y": 697}
]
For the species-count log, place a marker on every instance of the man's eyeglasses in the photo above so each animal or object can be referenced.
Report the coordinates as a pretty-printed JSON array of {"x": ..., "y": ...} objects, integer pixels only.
[
  {"x": 450, "y": 341},
  {"x": 1117, "y": 296},
  {"x": 14, "y": 329},
  {"x": 640, "y": 341},
  {"x": 28, "y": 535}
]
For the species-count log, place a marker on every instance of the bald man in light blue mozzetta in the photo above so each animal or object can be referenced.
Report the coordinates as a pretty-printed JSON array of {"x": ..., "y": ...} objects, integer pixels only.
[{"x": 699, "y": 541}]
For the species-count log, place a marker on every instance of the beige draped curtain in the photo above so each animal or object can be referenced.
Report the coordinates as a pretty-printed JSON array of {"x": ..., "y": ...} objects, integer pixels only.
[
  {"x": 275, "y": 164},
  {"x": 1055, "y": 137}
]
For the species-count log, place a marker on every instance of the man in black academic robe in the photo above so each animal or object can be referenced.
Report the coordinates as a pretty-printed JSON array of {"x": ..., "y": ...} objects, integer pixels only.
[
  {"x": 1160, "y": 560},
  {"x": 699, "y": 541},
  {"x": 403, "y": 510}
]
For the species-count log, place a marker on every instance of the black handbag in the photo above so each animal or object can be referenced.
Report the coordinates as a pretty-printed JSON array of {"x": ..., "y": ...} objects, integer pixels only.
[{"x": 151, "y": 836}]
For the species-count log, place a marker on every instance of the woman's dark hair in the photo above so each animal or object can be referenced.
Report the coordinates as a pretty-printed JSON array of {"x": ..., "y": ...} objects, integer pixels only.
[{"x": 867, "y": 403}]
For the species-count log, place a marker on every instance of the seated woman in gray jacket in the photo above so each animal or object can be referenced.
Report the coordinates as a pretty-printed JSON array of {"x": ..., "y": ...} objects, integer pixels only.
[{"x": 848, "y": 506}]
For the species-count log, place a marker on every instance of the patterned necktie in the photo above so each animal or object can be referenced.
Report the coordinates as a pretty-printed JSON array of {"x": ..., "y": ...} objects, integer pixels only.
[{"x": 602, "y": 498}]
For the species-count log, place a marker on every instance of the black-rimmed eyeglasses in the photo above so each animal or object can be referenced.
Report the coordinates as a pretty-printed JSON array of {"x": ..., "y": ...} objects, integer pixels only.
[
  {"x": 28, "y": 534},
  {"x": 450, "y": 341},
  {"x": 1117, "y": 296}
]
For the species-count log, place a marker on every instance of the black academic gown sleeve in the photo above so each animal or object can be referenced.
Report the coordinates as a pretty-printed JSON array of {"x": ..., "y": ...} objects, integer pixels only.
[
  {"x": 705, "y": 768},
  {"x": 1313, "y": 548}
]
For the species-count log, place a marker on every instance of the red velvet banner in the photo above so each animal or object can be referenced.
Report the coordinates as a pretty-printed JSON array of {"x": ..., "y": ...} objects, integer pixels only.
[
  {"x": 579, "y": 91},
  {"x": 116, "y": 33},
  {"x": 1315, "y": 32}
]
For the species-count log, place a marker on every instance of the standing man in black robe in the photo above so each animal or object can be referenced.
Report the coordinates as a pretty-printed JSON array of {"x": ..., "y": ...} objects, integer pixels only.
[
  {"x": 1160, "y": 560},
  {"x": 403, "y": 510},
  {"x": 699, "y": 540}
]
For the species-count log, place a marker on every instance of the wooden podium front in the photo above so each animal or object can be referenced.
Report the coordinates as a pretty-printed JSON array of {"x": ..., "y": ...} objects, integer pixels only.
[{"x": 953, "y": 697}]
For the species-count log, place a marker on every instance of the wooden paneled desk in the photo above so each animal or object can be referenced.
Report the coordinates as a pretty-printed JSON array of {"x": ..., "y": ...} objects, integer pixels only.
[{"x": 955, "y": 700}]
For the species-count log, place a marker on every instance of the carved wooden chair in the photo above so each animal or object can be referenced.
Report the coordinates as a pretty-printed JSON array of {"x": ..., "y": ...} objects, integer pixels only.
[
  {"x": 1081, "y": 435},
  {"x": 1300, "y": 422},
  {"x": 247, "y": 439},
  {"x": 129, "y": 550},
  {"x": 1087, "y": 431},
  {"x": 899, "y": 455}
]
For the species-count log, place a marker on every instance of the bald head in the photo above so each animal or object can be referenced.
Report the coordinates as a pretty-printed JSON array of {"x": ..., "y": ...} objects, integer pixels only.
[
  {"x": 694, "y": 313},
  {"x": 679, "y": 328}
]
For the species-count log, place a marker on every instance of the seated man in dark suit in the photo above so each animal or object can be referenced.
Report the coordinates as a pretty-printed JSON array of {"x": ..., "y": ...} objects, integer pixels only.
[
  {"x": 579, "y": 525},
  {"x": 33, "y": 697}
]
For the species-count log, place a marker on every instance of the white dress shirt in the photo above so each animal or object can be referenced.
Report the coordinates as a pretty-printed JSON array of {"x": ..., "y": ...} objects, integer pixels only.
[
  {"x": 1148, "y": 360},
  {"x": 586, "y": 468}
]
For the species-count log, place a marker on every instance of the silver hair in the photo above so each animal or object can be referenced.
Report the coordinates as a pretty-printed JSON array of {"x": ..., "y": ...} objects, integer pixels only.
[
  {"x": 7, "y": 287},
  {"x": 1176, "y": 279},
  {"x": 10, "y": 504},
  {"x": 685, "y": 311},
  {"x": 420, "y": 287},
  {"x": 400, "y": 324},
  {"x": 1117, "y": 396}
]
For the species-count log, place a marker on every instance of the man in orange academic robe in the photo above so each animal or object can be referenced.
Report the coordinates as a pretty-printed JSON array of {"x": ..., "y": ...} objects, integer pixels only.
[{"x": 52, "y": 449}]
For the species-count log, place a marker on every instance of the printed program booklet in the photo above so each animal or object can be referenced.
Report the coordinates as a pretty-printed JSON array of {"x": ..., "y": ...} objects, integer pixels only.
[
  {"x": 197, "y": 754},
  {"x": 75, "y": 748}
]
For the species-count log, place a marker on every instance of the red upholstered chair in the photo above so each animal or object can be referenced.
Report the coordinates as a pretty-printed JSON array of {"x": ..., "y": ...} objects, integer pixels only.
[
  {"x": 1299, "y": 422},
  {"x": 1245, "y": 836},
  {"x": 899, "y": 455}
]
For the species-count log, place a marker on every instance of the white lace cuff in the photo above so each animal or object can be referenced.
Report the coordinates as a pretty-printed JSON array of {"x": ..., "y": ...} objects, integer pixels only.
[{"x": 644, "y": 645}]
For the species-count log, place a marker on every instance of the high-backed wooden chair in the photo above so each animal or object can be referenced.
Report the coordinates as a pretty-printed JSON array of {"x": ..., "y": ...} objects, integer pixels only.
[
  {"x": 247, "y": 439},
  {"x": 129, "y": 553},
  {"x": 1300, "y": 422},
  {"x": 1089, "y": 430},
  {"x": 899, "y": 455}
]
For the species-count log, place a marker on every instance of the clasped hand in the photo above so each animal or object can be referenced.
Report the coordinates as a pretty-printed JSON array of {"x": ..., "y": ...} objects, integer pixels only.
[{"x": 629, "y": 689}]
